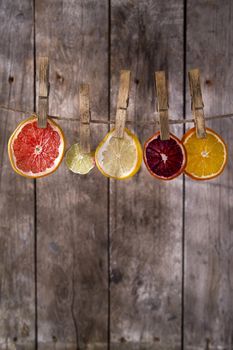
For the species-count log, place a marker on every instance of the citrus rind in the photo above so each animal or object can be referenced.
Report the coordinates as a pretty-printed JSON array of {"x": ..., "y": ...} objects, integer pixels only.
[
  {"x": 79, "y": 162},
  {"x": 184, "y": 159},
  {"x": 111, "y": 147},
  {"x": 12, "y": 158},
  {"x": 220, "y": 145}
]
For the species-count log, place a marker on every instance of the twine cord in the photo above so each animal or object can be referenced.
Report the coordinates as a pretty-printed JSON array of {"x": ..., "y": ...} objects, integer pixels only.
[{"x": 98, "y": 121}]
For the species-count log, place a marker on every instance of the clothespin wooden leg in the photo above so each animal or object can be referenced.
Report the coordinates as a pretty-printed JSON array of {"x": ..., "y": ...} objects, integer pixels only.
[
  {"x": 197, "y": 102},
  {"x": 162, "y": 104},
  {"x": 84, "y": 108},
  {"x": 122, "y": 103},
  {"x": 43, "y": 101}
]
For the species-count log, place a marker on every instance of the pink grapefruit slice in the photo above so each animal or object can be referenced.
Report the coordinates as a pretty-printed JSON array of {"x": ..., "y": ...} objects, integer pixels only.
[
  {"x": 35, "y": 152},
  {"x": 165, "y": 159}
]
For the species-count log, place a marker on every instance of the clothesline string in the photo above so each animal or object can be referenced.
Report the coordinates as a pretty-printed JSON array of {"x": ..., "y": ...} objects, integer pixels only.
[{"x": 96, "y": 121}]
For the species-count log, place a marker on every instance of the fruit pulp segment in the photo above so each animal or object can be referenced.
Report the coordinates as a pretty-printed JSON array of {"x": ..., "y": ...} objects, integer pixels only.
[
  {"x": 119, "y": 158},
  {"x": 36, "y": 149},
  {"x": 79, "y": 162},
  {"x": 164, "y": 157},
  {"x": 205, "y": 156}
]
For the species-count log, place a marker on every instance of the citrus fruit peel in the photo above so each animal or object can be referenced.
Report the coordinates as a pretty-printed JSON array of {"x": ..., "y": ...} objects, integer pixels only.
[
  {"x": 79, "y": 162},
  {"x": 35, "y": 152},
  {"x": 207, "y": 157},
  {"x": 164, "y": 159},
  {"x": 119, "y": 158}
]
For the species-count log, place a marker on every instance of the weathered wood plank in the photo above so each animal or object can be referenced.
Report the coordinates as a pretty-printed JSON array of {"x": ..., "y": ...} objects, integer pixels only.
[
  {"x": 122, "y": 103},
  {"x": 84, "y": 115},
  {"x": 146, "y": 215},
  {"x": 162, "y": 104},
  {"x": 17, "y": 292},
  {"x": 208, "y": 312},
  {"x": 72, "y": 210},
  {"x": 43, "y": 102}
]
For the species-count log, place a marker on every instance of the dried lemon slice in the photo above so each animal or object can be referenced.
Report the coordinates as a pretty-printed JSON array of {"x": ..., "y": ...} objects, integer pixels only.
[
  {"x": 79, "y": 162},
  {"x": 119, "y": 158}
]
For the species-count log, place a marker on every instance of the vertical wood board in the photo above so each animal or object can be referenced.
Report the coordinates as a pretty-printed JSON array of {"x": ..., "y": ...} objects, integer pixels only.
[
  {"x": 17, "y": 291},
  {"x": 72, "y": 209},
  {"x": 146, "y": 214},
  {"x": 208, "y": 289}
]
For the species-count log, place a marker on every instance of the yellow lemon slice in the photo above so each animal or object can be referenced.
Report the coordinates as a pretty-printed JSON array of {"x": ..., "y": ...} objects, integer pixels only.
[
  {"x": 79, "y": 162},
  {"x": 119, "y": 158},
  {"x": 206, "y": 158}
]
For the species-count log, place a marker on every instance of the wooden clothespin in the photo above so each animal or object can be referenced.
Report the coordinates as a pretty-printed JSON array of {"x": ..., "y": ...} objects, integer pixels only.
[
  {"x": 197, "y": 102},
  {"x": 122, "y": 103},
  {"x": 84, "y": 109},
  {"x": 43, "y": 102},
  {"x": 162, "y": 104}
]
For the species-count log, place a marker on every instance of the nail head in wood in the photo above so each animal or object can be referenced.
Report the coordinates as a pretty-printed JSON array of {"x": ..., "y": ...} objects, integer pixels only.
[
  {"x": 197, "y": 102},
  {"x": 122, "y": 103},
  {"x": 84, "y": 109},
  {"x": 43, "y": 100},
  {"x": 162, "y": 104}
]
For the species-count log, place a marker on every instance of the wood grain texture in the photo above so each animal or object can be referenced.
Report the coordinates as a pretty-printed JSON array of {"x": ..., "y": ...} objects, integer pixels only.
[
  {"x": 122, "y": 103},
  {"x": 162, "y": 103},
  {"x": 43, "y": 92},
  {"x": 84, "y": 110},
  {"x": 71, "y": 209},
  {"x": 208, "y": 309},
  {"x": 146, "y": 215},
  {"x": 17, "y": 302},
  {"x": 197, "y": 102}
]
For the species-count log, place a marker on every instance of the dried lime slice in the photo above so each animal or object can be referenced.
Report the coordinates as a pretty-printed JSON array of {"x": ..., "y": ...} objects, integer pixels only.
[{"x": 79, "y": 162}]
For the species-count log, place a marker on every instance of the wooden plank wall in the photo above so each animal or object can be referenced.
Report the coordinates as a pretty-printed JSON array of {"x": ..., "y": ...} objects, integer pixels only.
[
  {"x": 92, "y": 264},
  {"x": 17, "y": 203},
  {"x": 208, "y": 308},
  {"x": 145, "y": 232}
]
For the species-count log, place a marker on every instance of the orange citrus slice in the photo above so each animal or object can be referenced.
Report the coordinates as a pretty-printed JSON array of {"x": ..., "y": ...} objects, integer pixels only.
[
  {"x": 35, "y": 152},
  {"x": 119, "y": 158},
  {"x": 207, "y": 157}
]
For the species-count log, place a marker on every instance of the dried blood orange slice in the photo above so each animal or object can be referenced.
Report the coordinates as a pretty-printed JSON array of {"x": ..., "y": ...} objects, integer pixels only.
[
  {"x": 35, "y": 152},
  {"x": 165, "y": 159},
  {"x": 207, "y": 157}
]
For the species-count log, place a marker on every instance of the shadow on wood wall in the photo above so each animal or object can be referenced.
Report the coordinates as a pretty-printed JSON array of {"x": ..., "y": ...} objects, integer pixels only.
[{"x": 88, "y": 263}]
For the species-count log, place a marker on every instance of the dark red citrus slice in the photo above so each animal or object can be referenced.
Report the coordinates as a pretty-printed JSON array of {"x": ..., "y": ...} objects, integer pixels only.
[
  {"x": 165, "y": 159},
  {"x": 35, "y": 152}
]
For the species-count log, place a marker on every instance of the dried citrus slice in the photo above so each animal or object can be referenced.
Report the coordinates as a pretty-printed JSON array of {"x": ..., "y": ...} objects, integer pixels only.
[
  {"x": 165, "y": 159},
  {"x": 119, "y": 158},
  {"x": 35, "y": 152},
  {"x": 207, "y": 157},
  {"x": 78, "y": 161}
]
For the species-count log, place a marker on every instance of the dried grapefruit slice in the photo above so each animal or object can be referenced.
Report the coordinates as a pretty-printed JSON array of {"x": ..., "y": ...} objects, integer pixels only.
[
  {"x": 165, "y": 159},
  {"x": 206, "y": 158},
  {"x": 79, "y": 162},
  {"x": 35, "y": 152},
  {"x": 119, "y": 158}
]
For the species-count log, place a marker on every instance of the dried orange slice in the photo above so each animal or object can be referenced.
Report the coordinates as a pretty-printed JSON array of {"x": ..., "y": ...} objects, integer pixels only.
[
  {"x": 35, "y": 152},
  {"x": 207, "y": 157},
  {"x": 165, "y": 159},
  {"x": 119, "y": 158}
]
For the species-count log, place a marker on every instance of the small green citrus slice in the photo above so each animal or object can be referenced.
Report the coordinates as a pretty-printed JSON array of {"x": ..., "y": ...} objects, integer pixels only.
[{"x": 79, "y": 162}]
